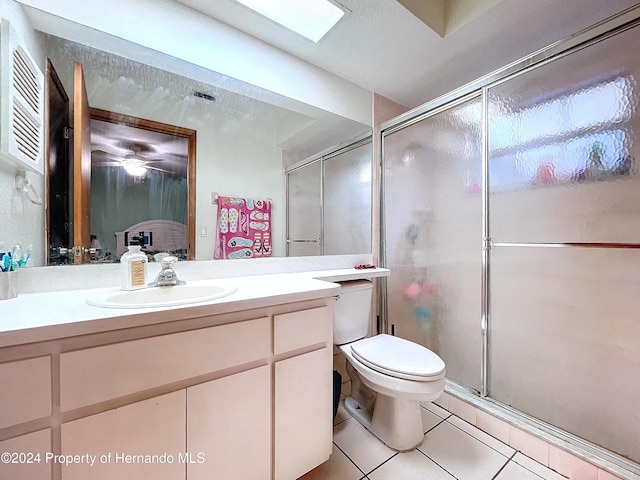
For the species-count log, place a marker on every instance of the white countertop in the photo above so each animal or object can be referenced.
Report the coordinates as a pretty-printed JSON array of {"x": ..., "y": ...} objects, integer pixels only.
[{"x": 35, "y": 317}]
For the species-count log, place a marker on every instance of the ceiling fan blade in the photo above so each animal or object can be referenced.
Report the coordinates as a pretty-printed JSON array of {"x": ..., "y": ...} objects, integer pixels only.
[
  {"x": 106, "y": 164},
  {"x": 149, "y": 167},
  {"x": 136, "y": 157},
  {"x": 100, "y": 156}
]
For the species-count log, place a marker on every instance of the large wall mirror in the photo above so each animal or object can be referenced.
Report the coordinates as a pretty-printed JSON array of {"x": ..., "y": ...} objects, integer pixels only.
[{"x": 228, "y": 138}]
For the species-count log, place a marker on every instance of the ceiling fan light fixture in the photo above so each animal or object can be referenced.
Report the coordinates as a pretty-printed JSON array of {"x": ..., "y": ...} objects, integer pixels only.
[
  {"x": 310, "y": 18},
  {"x": 134, "y": 168}
]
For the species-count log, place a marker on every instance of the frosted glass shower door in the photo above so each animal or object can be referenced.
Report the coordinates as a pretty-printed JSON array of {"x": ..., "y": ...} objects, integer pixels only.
[
  {"x": 561, "y": 148},
  {"x": 347, "y": 202},
  {"x": 565, "y": 337},
  {"x": 565, "y": 221},
  {"x": 433, "y": 236},
  {"x": 304, "y": 210}
]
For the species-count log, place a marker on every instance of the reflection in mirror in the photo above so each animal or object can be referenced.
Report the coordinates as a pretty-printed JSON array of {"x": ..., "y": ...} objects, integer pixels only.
[
  {"x": 243, "y": 143},
  {"x": 329, "y": 202},
  {"x": 304, "y": 209},
  {"x": 136, "y": 162},
  {"x": 347, "y": 194}
]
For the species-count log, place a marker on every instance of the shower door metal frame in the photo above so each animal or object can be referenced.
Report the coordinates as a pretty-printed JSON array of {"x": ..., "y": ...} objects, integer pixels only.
[{"x": 619, "y": 23}]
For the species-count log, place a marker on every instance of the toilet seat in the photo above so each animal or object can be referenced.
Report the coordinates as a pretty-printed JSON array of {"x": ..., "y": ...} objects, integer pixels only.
[{"x": 398, "y": 358}]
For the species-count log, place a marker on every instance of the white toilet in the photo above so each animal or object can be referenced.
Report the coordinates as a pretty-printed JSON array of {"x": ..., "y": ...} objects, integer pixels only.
[{"x": 399, "y": 374}]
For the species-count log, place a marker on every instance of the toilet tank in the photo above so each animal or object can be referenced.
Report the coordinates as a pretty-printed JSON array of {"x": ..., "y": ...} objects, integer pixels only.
[{"x": 352, "y": 311}]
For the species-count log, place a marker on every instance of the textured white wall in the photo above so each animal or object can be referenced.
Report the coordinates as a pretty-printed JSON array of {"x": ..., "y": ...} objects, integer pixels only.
[{"x": 205, "y": 42}]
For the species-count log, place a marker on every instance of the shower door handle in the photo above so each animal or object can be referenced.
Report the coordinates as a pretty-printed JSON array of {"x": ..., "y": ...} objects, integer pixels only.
[{"x": 316, "y": 241}]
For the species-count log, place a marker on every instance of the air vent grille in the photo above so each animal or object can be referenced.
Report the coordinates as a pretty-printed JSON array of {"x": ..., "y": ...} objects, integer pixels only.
[
  {"x": 22, "y": 95},
  {"x": 26, "y": 133},
  {"x": 25, "y": 79}
]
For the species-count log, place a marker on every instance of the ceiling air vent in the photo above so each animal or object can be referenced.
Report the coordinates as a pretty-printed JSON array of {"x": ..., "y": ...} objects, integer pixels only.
[{"x": 21, "y": 104}]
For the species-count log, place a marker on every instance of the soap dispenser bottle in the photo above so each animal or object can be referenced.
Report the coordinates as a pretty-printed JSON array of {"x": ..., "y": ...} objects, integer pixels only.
[{"x": 134, "y": 267}]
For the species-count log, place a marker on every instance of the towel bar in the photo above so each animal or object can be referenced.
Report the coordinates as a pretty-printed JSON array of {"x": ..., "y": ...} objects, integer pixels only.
[{"x": 215, "y": 195}]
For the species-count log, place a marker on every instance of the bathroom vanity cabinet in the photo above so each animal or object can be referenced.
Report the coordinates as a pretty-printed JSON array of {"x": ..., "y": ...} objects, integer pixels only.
[
  {"x": 239, "y": 395},
  {"x": 301, "y": 381}
]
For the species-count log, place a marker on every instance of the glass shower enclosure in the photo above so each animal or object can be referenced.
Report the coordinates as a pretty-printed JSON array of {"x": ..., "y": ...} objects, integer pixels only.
[
  {"x": 511, "y": 225},
  {"x": 433, "y": 225},
  {"x": 329, "y": 201}
]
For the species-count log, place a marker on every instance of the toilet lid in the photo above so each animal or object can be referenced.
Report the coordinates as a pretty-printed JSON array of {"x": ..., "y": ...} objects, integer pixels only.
[{"x": 398, "y": 357}]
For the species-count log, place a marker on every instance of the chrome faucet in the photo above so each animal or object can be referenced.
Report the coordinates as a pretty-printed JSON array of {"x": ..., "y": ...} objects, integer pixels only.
[{"x": 167, "y": 275}]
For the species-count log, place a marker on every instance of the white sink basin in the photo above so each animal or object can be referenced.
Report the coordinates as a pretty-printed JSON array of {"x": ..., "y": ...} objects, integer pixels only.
[{"x": 159, "y": 296}]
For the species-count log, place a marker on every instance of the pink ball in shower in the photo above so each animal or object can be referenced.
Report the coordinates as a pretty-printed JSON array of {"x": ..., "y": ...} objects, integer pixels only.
[
  {"x": 429, "y": 288},
  {"x": 413, "y": 290}
]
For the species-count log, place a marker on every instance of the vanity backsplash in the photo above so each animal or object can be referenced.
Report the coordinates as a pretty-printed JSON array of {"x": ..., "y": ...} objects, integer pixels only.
[{"x": 54, "y": 278}]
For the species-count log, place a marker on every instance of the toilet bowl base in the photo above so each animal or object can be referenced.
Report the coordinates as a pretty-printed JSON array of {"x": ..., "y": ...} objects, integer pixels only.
[
  {"x": 361, "y": 414},
  {"x": 394, "y": 421}
]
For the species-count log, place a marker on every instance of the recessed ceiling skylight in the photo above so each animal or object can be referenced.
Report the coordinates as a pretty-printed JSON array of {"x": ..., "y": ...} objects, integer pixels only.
[{"x": 310, "y": 18}]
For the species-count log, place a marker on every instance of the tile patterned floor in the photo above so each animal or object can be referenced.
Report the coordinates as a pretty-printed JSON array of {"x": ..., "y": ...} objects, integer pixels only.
[{"x": 452, "y": 449}]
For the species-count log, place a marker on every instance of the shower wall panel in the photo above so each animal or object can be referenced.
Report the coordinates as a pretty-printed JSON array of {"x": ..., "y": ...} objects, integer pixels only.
[{"x": 433, "y": 236}]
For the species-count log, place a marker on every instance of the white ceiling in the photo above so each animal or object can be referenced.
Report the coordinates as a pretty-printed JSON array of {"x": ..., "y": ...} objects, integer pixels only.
[{"x": 383, "y": 47}]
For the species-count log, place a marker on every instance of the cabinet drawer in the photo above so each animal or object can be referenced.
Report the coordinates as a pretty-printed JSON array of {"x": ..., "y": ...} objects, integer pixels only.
[
  {"x": 111, "y": 371},
  {"x": 26, "y": 391},
  {"x": 300, "y": 329}
]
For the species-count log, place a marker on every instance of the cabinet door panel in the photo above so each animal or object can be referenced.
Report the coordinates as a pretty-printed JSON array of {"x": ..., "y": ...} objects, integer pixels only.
[
  {"x": 229, "y": 423},
  {"x": 27, "y": 466},
  {"x": 148, "y": 428},
  {"x": 303, "y": 413}
]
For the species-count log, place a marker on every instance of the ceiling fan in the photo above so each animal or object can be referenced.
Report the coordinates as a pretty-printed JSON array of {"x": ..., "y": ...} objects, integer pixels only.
[{"x": 134, "y": 163}]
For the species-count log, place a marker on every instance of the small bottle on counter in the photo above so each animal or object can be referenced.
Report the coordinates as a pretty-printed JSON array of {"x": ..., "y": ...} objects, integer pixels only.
[{"x": 134, "y": 267}]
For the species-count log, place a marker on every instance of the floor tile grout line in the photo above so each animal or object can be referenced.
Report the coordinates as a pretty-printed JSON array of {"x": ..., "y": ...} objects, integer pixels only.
[
  {"x": 440, "y": 466},
  {"x": 396, "y": 453},
  {"x": 349, "y": 458},
  {"x": 436, "y": 425},
  {"x": 505, "y": 464},
  {"x": 340, "y": 422},
  {"x": 508, "y": 459},
  {"x": 528, "y": 469},
  {"x": 476, "y": 438},
  {"x": 442, "y": 419},
  {"x": 377, "y": 467},
  {"x": 449, "y": 414},
  {"x": 440, "y": 422}
]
